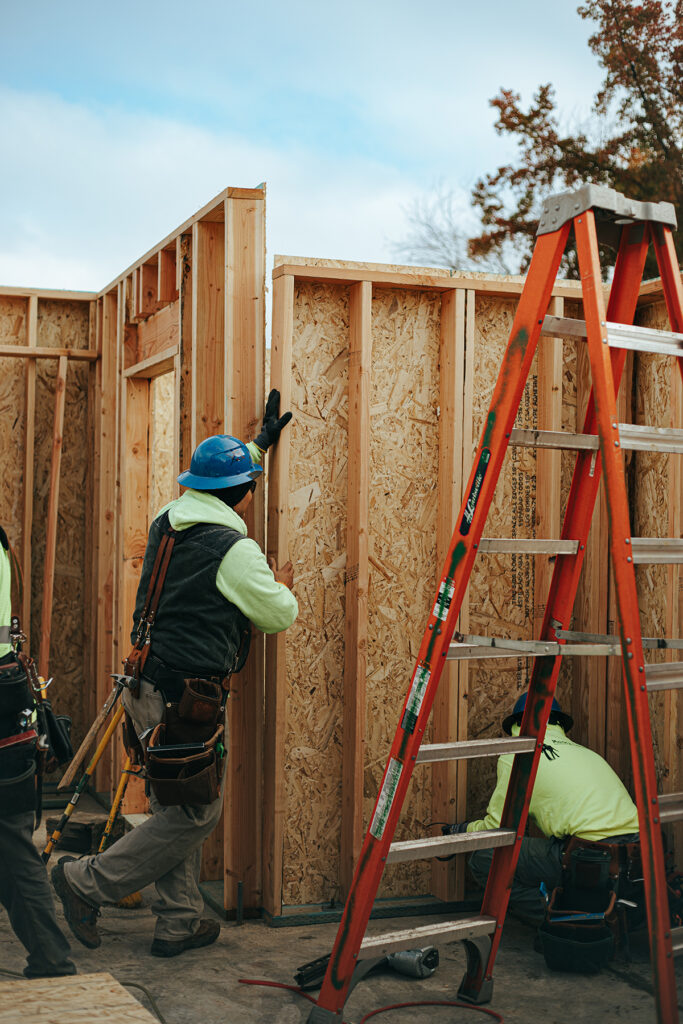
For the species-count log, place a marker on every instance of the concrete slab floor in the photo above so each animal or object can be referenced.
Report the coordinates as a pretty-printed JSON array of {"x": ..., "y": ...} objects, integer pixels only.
[{"x": 203, "y": 985}]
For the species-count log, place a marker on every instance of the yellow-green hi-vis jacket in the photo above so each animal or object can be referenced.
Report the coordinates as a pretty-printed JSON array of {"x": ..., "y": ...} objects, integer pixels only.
[
  {"x": 576, "y": 793},
  {"x": 5, "y": 596}
]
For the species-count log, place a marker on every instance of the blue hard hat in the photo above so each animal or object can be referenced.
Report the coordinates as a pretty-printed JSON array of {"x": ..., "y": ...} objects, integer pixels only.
[
  {"x": 220, "y": 461},
  {"x": 566, "y": 721}
]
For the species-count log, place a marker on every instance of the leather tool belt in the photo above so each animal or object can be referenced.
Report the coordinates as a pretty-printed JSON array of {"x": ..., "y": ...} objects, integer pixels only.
[{"x": 135, "y": 662}]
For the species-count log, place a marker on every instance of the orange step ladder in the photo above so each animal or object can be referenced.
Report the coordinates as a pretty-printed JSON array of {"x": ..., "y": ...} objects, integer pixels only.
[{"x": 609, "y": 332}]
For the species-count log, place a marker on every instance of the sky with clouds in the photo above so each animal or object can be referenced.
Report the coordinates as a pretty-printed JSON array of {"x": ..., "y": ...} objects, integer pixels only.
[{"x": 120, "y": 120}]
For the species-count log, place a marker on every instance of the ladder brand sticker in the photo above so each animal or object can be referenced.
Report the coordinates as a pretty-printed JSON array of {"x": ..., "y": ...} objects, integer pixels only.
[
  {"x": 474, "y": 493},
  {"x": 443, "y": 600},
  {"x": 386, "y": 798},
  {"x": 415, "y": 698}
]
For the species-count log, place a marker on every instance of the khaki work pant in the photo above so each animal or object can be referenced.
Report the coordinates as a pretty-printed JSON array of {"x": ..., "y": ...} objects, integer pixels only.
[{"x": 166, "y": 849}]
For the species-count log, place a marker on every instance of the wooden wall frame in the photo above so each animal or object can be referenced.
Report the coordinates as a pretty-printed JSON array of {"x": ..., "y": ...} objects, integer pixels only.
[{"x": 194, "y": 307}]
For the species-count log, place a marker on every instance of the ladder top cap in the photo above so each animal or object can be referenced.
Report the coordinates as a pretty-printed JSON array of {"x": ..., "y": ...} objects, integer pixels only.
[{"x": 564, "y": 206}]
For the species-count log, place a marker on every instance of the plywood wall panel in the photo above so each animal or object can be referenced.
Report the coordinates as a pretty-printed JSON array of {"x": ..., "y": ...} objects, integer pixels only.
[
  {"x": 314, "y": 644},
  {"x": 404, "y": 399}
]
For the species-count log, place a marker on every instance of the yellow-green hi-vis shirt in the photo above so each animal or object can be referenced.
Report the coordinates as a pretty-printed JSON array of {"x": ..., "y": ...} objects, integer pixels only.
[
  {"x": 576, "y": 793},
  {"x": 5, "y": 596}
]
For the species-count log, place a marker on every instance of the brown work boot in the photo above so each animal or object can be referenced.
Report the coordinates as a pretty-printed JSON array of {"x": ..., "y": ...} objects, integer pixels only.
[
  {"x": 208, "y": 932},
  {"x": 80, "y": 916}
]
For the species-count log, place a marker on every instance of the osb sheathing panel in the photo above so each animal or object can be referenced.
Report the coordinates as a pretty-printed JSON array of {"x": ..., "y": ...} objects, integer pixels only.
[
  {"x": 650, "y": 512},
  {"x": 13, "y": 314},
  {"x": 402, "y": 525},
  {"x": 501, "y": 592},
  {"x": 317, "y": 547},
  {"x": 63, "y": 325},
  {"x": 404, "y": 398},
  {"x": 161, "y": 446}
]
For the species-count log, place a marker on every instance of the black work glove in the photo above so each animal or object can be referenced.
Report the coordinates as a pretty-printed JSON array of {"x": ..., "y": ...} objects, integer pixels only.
[
  {"x": 272, "y": 422},
  {"x": 456, "y": 829}
]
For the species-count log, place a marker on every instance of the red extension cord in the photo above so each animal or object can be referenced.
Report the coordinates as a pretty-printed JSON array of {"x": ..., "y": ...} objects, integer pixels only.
[{"x": 382, "y": 1009}]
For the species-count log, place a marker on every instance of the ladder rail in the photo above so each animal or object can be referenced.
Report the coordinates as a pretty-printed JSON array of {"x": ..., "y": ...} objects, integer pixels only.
[
  {"x": 563, "y": 587},
  {"x": 637, "y": 709},
  {"x": 524, "y": 336}
]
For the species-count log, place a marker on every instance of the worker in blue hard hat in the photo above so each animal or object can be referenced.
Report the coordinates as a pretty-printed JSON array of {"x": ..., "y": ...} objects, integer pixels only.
[
  {"x": 216, "y": 585},
  {"x": 576, "y": 793}
]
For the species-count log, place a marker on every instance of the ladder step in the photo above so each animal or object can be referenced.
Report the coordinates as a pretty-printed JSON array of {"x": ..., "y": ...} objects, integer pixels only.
[
  {"x": 531, "y": 546},
  {"x": 677, "y": 941},
  {"x": 475, "y": 748},
  {"x": 657, "y": 550},
  {"x": 443, "y": 846},
  {"x": 670, "y": 807},
  {"x": 653, "y": 643},
  {"x": 632, "y": 437},
  {"x": 469, "y": 647},
  {"x": 666, "y": 675},
  {"x": 639, "y": 339},
  {"x": 427, "y": 935}
]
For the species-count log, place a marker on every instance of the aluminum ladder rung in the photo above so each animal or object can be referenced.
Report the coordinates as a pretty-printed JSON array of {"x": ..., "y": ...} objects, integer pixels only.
[
  {"x": 440, "y": 846},
  {"x": 677, "y": 941},
  {"x": 527, "y": 546},
  {"x": 427, "y": 935},
  {"x": 667, "y": 675},
  {"x": 631, "y": 436},
  {"x": 431, "y": 752},
  {"x": 639, "y": 339},
  {"x": 657, "y": 550},
  {"x": 670, "y": 807},
  {"x": 469, "y": 647},
  {"x": 651, "y": 643}
]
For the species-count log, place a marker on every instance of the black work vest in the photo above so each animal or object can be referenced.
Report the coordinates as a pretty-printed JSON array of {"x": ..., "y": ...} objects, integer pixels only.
[{"x": 196, "y": 629}]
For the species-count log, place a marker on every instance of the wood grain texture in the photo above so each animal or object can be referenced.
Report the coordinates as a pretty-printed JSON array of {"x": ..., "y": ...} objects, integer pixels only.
[{"x": 356, "y": 579}]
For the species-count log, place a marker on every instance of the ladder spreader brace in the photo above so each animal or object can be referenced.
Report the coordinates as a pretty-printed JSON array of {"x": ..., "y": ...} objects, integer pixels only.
[{"x": 634, "y": 224}]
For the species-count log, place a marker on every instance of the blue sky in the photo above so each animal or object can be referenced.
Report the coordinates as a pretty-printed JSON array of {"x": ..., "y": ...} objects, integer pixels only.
[{"x": 120, "y": 120}]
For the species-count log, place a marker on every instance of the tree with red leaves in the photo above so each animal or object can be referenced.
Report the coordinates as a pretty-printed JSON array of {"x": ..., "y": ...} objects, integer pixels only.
[{"x": 634, "y": 143}]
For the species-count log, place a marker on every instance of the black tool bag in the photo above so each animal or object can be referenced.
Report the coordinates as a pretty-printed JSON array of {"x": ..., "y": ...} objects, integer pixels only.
[
  {"x": 15, "y": 696},
  {"x": 185, "y": 776},
  {"x": 17, "y": 774},
  {"x": 578, "y": 933}
]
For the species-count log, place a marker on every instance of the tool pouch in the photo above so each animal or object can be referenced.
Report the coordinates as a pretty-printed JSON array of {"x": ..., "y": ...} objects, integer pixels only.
[
  {"x": 201, "y": 702},
  {"x": 194, "y": 779},
  {"x": 578, "y": 934},
  {"x": 15, "y": 695},
  {"x": 17, "y": 777}
]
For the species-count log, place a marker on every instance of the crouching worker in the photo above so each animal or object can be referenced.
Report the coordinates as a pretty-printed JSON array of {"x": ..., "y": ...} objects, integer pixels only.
[
  {"x": 576, "y": 793},
  {"x": 203, "y": 582},
  {"x": 24, "y": 889}
]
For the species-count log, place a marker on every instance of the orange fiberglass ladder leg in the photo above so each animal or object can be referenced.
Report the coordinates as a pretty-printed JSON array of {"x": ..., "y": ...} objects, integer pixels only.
[{"x": 606, "y": 338}]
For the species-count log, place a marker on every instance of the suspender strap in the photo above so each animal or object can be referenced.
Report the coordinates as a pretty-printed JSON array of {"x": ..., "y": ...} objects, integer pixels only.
[{"x": 135, "y": 662}]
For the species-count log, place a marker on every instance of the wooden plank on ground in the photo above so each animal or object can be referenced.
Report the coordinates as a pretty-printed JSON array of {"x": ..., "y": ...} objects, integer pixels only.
[
  {"x": 274, "y": 797},
  {"x": 52, "y": 518},
  {"x": 29, "y": 451},
  {"x": 80, "y": 999},
  {"x": 242, "y": 390},
  {"x": 356, "y": 580}
]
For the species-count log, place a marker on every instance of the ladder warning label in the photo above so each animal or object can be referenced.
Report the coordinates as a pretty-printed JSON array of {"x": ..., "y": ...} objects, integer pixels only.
[
  {"x": 415, "y": 698},
  {"x": 443, "y": 600},
  {"x": 386, "y": 798}
]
